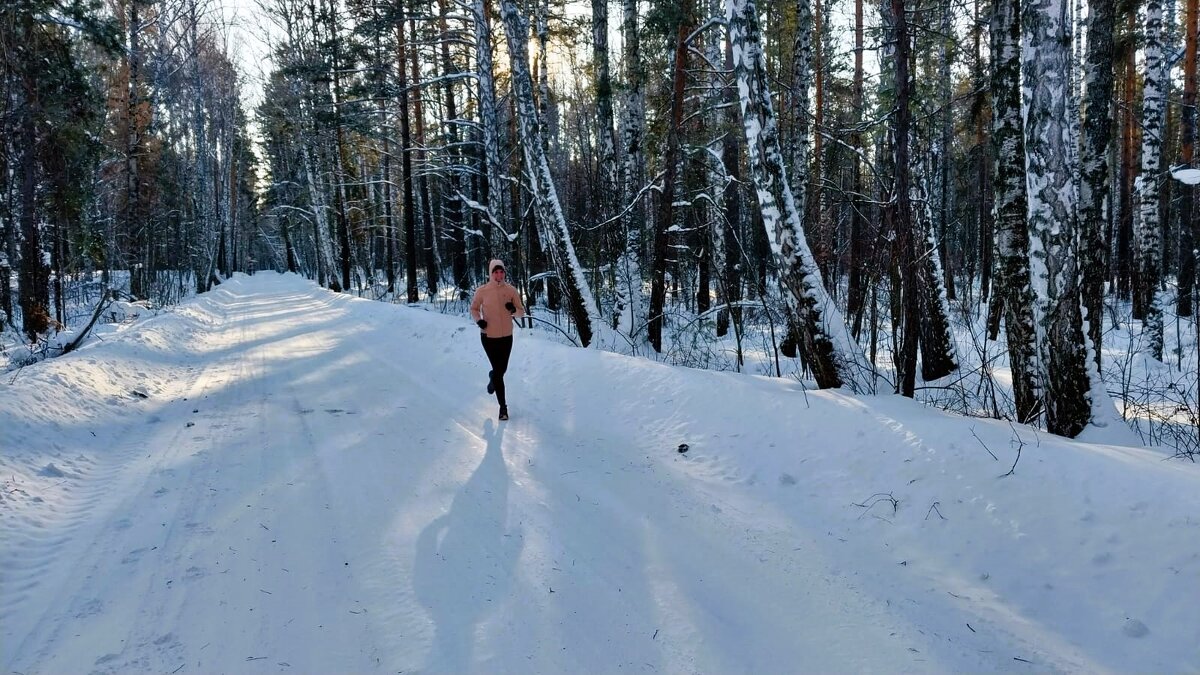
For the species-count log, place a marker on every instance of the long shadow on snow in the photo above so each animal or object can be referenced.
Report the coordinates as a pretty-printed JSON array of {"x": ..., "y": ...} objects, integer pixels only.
[{"x": 465, "y": 560}]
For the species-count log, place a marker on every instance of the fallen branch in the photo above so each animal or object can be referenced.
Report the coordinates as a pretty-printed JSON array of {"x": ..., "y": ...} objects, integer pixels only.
[
  {"x": 880, "y": 497},
  {"x": 105, "y": 301},
  {"x": 1021, "y": 444},
  {"x": 934, "y": 507},
  {"x": 985, "y": 447}
]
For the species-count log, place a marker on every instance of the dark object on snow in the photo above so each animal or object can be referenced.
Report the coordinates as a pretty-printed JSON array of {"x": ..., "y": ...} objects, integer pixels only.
[
  {"x": 503, "y": 413},
  {"x": 482, "y": 324},
  {"x": 683, "y": 447},
  {"x": 491, "y": 388},
  {"x": 512, "y": 309}
]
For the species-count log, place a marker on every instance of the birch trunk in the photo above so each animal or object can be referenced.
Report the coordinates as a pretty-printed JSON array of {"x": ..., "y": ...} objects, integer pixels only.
[
  {"x": 1147, "y": 302},
  {"x": 633, "y": 177},
  {"x": 1013, "y": 285},
  {"x": 801, "y": 79},
  {"x": 1094, "y": 167},
  {"x": 489, "y": 121},
  {"x": 552, "y": 223},
  {"x": 835, "y": 359},
  {"x": 938, "y": 358},
  {"x": 1046, "y": 65}
]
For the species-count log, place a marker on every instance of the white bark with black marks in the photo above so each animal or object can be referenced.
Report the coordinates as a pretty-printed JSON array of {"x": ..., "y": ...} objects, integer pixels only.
[
  {"x": 836, "y": 360},
  {"x": 552, "y": 223}
]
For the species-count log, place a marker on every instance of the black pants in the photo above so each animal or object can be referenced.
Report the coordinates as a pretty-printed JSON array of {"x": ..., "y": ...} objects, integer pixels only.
[{"x": 498, "y": 351}]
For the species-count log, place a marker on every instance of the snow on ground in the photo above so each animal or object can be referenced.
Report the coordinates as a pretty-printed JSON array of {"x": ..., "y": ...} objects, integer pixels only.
[{"x": 275, "y": 478}]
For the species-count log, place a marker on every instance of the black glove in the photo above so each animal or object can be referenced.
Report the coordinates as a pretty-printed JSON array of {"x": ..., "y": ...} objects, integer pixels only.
[
  {"x": 512, "y": 309},
  {"x": 482, "y": 324}
]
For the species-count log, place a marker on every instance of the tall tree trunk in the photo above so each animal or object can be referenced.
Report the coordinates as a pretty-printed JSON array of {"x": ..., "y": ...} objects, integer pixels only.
[
  {"x": 983, "y": 174},
  {"x": 133, "y": 198},
  {"x": 410, "y": 206},
  {"x": 581, "y": 302},
  {"x": 1094, "y": 164},
  {"x": 489, "y": 120},
  {"x": 452, "y": 203},
  {"x": 856, "y": 290},
  {"x": 944, "y": 168},
  {"x": 731, "y": 160},
  {"x": 834, "y": 357},
  {"x": 33, "y": 280},
  {"x": 1014, "y": 290},
  {"x": 1149, "y": 232},
  {"x": 1189, "y": 222},
  {"x": 938, "y": 358},
  {"x": 900, "y": 205},
  {"x": 671, "y": 161},
  {"x": 605, "y": 139},
  {"x": 802, "y": 56},
  {"x": 424, "y": 202},
  {"x": 340, "y": 175},
  {"x": 633, "y": 176},
  {"x": 1064, "y": 362},
  {"x": 813, "y": 212},
  {"x": 1122, "y": 242}
]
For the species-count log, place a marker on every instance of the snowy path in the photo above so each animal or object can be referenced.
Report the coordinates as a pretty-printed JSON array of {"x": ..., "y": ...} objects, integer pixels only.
[{"x": 319, "y": 485}]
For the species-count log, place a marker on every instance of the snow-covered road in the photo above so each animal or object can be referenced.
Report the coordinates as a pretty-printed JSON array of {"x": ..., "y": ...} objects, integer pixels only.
[{"x": 279, "y": 479}]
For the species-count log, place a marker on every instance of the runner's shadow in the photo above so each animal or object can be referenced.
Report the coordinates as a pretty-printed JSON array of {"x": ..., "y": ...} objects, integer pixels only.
[{"x": 465, "y": 560}]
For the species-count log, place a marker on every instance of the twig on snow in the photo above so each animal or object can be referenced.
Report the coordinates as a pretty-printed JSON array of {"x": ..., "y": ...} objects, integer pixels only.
[
  {"x": 985, "y": 447},
  {"x": 1021, "y": 444},
  {"x": 932, "y": 508}
]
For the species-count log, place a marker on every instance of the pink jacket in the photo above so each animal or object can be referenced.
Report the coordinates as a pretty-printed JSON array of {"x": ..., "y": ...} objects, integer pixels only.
[{"x": 488, "y": 305}]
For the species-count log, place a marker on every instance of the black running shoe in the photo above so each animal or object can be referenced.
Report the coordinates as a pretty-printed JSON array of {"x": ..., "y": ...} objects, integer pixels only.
[
  {"x": 491, "y": 383},
  {"x": 503, "y": 414}
]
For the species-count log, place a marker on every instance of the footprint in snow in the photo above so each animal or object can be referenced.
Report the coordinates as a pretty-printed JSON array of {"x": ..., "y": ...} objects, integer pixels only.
[
  {"x": 90, "y": 608},
  {"x": 1135, "y": 629}
]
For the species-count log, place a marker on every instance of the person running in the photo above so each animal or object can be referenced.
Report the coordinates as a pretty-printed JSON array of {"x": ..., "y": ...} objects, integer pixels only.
[{"x": 493, "y": 308}]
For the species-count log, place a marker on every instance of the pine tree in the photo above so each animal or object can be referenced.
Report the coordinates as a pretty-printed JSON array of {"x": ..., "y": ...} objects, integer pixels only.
[{"x": 1189, "y": 215}]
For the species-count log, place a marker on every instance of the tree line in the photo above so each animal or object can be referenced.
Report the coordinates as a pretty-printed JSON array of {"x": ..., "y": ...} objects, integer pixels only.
[{"x": 858, "y": 171}]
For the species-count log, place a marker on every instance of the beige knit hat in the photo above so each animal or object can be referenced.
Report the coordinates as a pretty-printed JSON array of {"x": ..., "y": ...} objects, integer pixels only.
[{"x": 494, "y": 264}]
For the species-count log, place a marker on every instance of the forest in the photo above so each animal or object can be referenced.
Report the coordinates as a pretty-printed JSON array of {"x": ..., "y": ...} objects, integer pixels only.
[{"x": 898, "y": 196}]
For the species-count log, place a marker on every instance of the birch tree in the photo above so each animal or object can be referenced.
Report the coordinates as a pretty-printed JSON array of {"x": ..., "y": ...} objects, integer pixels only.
[
  {"x": 631, "y": 317},
  {"x": 490, "y": 184},
  {"x": 551, "y": 222},
  {"x": 605, "y": 139},
  {"x": 1147, "y": 300},
  {"x": 1068, "y": 395},
  {"x": 938, "y": 357},
  {"x": 1095, "y": 170},
  {"x": 1014, "y": 290},
  {"x": 802, "y": 55},
  {"x": 834, "y": 357}
]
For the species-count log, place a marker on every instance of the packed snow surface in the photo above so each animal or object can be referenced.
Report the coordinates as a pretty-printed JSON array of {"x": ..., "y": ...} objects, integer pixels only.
[{"x": 276, "y": 478}]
